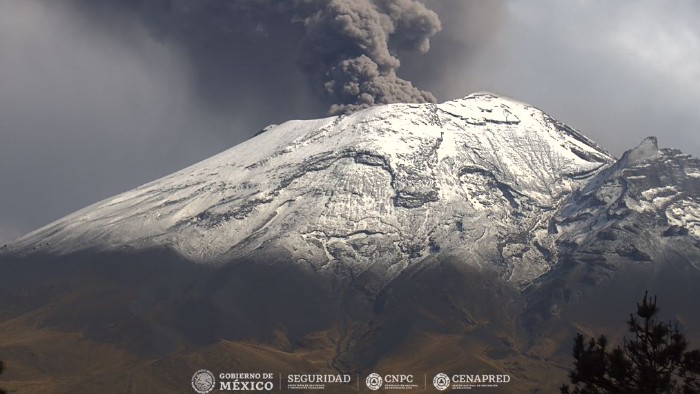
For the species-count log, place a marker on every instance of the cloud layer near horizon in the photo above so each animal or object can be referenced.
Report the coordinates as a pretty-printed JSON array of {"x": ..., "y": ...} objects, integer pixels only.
[{"x": 98, "y": 99}]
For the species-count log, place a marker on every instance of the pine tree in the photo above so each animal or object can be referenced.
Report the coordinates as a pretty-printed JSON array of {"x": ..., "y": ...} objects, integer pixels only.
[{"x": 654, "y": 361}]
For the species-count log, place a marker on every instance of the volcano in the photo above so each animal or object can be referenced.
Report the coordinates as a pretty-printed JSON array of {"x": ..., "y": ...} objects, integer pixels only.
[{"x": 474, "y": 235}]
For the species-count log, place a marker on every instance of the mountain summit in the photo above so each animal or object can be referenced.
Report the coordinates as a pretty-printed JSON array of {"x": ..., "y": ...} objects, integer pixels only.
[{"x": 376, "y": 190}]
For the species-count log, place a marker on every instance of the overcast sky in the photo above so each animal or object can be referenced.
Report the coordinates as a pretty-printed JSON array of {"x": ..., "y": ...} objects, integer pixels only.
[{"x": 96, "y": 100}]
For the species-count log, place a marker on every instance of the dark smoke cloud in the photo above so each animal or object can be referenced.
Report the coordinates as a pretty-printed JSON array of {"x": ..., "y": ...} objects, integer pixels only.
[{"x": 348, "y": 49}]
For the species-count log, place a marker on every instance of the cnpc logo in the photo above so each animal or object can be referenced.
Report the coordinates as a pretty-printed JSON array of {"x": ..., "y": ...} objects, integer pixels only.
[{"x": 375, "y": 381}]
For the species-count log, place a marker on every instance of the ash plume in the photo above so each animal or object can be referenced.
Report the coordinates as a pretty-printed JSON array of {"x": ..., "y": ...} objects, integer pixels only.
[{"x": 348, "y": 49}]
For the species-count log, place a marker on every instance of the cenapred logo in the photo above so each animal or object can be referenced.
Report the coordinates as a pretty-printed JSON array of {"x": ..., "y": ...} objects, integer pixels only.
[
  {"x": 203, "y": 381},
  {"x": 374, "y": 381},
  {"x": 441, "y": 381}
]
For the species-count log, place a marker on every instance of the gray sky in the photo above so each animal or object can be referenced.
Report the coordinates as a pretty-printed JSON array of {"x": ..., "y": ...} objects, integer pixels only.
[{"x": 98, "y": 100}]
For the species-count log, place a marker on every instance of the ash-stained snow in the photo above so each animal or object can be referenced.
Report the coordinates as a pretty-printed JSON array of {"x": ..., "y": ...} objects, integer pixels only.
[{"x": 484, "y": 178}]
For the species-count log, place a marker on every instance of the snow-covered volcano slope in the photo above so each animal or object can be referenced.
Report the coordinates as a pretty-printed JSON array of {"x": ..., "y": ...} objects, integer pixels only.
[
  {"x": 645, "y": 207},
  {"x": 479, "y": 178}
]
